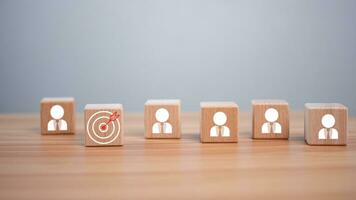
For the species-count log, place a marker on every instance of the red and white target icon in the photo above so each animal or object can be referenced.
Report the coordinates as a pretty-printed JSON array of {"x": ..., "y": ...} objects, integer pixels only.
[{"x": 103, "y": 127}]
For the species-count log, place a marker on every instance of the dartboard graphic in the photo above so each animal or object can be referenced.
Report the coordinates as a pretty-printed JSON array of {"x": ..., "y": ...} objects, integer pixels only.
[{"x": 102, "y": 128}]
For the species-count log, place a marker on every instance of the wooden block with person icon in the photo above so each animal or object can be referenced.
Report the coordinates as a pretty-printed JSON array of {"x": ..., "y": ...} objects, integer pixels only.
[
  {"x": 219, "y": 122},
  {"x": 162, "y": 118},
  {"x": 270, "y": 119},
  {"x": 325, "y": 124},
  {"x": 104, "y": 125},
  {"x": 57, "y": 116}
]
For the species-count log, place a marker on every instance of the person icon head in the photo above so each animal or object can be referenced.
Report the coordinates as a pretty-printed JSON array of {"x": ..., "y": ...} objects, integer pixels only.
[
  {"x": 328, "y": 132},
  {"x": 162, "y": 126},
  {"x": 328, "y": 121},
  {"x": 162, "y": 115},
  {"x": 271, "y": 115},
  {"x": 57, "y": 112},
  {"x": 271, "y": 126},
  {"x": 219, "y": 118},
  {"x": 219, "y": 128},
  {"x": 57, "y": 123}
]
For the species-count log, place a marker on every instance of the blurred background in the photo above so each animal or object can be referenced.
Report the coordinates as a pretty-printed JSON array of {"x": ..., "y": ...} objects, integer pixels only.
[{"x": 194, "y": 50}]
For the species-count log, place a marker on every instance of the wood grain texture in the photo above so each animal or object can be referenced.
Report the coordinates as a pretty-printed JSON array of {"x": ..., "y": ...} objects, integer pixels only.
[
  {"x": 173, "y": 106},
  {"x": 313, "y": 115},
  {"x": 68, "y": 105},
  {"x": 208, "y": 110},
  {"x": 259, "y": 107},
  {"x": 35, "y": 166}
]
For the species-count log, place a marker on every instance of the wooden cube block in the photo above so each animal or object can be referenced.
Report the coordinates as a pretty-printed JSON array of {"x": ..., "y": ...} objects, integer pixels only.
[
  {"x": 219, "y": 122},
  {"x": 57, "y": 116},
  {"x": 325, "y": 124},
  {"x": 270, "y": 119},
  {"x": 162, "y": 119},
  {"x": 104, "y": 125}
]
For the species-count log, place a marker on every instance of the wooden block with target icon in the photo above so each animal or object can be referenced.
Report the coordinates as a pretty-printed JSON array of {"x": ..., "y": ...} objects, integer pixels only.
[
  {"x": 162, "y": 119},
  {"x": 104, "y": 125}
]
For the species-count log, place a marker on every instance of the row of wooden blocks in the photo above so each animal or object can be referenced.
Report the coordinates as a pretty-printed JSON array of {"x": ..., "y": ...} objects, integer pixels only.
[{"x": 325, "y": 124}]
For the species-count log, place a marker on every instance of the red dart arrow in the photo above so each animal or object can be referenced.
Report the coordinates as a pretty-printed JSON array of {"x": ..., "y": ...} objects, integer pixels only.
[{"x": 112, "y": 118}]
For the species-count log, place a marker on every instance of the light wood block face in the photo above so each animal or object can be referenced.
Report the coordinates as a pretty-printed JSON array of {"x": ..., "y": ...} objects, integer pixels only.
[
  {"x": 162, "y": 119},
  {"x": 104, "y": 125},
  {"x": 219, "y": 122},
  {"x": 325, "y": 124},
  {"x": 270, "y": 119},
  {"x": 57, "y": 116}
]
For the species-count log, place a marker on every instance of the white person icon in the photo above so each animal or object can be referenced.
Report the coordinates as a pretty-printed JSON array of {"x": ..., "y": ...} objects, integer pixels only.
[
  {"x": 162, "y": 126},
  {"x": 271, "y": 126},
  {"x": 57, "y": 123},
  {"x": 219, "y": 129},
  {"x": 328, "y": 132}
]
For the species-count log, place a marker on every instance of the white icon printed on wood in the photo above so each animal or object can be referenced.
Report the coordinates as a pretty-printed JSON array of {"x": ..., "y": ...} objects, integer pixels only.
[
  {"x": 219, "y": 129},
  {"x": 271, "y": 126},
  {"x": 57, "y": 123},
  {"x": 328, "y": 132},
  {"x": 162, "y": 126}
]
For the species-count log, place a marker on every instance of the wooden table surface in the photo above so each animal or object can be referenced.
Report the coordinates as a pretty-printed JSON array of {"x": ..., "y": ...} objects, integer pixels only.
[{"x": 33, "y": 166}]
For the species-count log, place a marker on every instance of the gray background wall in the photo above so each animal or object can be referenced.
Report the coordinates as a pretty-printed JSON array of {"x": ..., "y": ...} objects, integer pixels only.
[{"x": 194, "y": 50}]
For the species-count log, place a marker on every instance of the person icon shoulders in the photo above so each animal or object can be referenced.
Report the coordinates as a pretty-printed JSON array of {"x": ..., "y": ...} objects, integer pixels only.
[
  {"x": 57, "y": 123},
  {"x": 271, "y": 126},
  {"x": 219, "y": 129},
  {"x": 328, "y": 132},
  {"x": 162, "y": 126}
]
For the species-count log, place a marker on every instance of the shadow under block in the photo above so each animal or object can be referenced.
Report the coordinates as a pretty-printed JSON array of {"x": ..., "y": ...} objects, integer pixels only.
[
  {"x": 270, "y": 119},
  {"x": 104, "y": 125},
  {"x": 325, "y": 124},
  {"x": 162, "y": 119},
  {"x": 219, "y": 122},
  {"x": 57, "y": 116}
]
